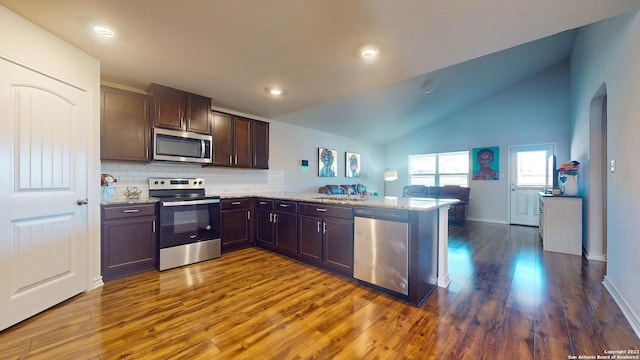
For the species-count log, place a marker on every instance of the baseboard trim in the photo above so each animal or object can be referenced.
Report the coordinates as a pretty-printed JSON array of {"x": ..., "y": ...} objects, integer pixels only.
[
  {"x": 597, "y": 257},
  {"x": 631, "y": 316},
  {"x": 489, "y": 221},
  {"x": 444, "y": 282},
  {"x": 96, "y": 283}
]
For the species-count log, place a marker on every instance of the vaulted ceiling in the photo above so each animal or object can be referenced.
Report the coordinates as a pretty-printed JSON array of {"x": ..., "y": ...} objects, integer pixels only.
[{"x": 232, "y": 51}]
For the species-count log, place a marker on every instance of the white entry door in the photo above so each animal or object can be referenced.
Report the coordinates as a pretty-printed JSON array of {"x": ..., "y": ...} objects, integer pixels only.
[
  {"x": 43, "y": 187},
  {"x": 528, "y": 176}
]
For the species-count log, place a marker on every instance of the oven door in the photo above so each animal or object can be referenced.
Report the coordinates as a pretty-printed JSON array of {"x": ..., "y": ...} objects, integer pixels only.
[{"x": 188, "y": 221}]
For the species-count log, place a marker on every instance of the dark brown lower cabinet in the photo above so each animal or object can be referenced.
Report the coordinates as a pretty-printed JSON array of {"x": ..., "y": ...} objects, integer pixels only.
[
  {"x": 326, "y": 236},
  {"x": 310, "y": 240},
  {"x": 264, "y": 227},
  {"x": 337, "y": 252},
  {"x": 286, "y": 231},
  {"x": 129, "y": 243},
  {"x": 277, "y": 225},
  {"x": 235, "y": 221}
]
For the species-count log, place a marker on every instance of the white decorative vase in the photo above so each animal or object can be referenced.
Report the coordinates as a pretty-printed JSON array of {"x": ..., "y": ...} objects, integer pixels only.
[{"x": 571, "y": 185}]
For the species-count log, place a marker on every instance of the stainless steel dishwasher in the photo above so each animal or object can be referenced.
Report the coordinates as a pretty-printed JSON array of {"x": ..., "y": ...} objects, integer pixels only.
[{"x": 381, "y": 248}]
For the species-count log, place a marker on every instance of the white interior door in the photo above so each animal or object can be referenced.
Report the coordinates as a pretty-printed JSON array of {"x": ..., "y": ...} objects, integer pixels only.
[
  {"x": 43, "y": 175},
  {"x": 528, "y": 176}
]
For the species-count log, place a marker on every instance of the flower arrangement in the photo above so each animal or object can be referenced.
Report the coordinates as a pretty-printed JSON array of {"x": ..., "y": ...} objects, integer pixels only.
[{"x": 569, "y": 168}]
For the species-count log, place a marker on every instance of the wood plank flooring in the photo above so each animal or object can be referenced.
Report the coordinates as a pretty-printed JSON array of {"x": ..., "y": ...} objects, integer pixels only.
[{"x": 508, "y": 299}]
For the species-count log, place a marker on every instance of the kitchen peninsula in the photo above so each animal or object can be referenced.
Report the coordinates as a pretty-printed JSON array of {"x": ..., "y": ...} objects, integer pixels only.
[
  {"x": 396, "y": 245},
  {"x": 324, "y": 231}
]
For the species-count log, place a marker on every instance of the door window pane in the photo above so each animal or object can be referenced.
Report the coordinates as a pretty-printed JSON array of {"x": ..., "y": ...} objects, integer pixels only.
[{"x": 531, "y": 168}]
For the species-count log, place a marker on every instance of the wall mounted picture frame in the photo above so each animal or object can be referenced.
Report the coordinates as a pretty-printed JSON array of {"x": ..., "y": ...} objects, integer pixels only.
[
  {"x": 486, "y": 163},
  {"x": 327, "y": 162},
  {"x": 352, "y": 164}
]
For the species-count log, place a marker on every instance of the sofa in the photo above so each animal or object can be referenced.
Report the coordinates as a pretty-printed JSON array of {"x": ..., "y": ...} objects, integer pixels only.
[
  {"x": 457, "y": 211},
  {"x": 340, "y": 189}
]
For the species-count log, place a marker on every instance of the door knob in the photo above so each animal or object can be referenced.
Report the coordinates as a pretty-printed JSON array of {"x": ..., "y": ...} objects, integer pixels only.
[{"x": 82, "y": 201}]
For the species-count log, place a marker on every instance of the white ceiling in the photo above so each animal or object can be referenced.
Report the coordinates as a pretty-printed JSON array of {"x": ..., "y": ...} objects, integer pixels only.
[{"x": 231, "y": 50}]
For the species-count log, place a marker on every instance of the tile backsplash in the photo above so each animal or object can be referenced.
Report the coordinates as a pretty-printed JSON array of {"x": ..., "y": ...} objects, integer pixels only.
[{"x": 218, "y": 180}]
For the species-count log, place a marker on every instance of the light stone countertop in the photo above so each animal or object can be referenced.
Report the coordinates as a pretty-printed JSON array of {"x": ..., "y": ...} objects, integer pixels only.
[{"x": 390, "y": 202}]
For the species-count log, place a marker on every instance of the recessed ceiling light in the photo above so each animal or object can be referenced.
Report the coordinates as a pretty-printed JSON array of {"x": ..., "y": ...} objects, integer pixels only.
[
  {"x": 275, "y": 91},
  {"x": 104, "y": 31},
  {"x": 369, "y": 52}
]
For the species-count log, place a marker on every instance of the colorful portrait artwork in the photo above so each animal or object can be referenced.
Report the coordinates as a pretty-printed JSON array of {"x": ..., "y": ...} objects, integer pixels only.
[
  {"x": 486, "y": 163},
  {"x": 351, "y": 165},
  {"x": 327, "y": 162}
]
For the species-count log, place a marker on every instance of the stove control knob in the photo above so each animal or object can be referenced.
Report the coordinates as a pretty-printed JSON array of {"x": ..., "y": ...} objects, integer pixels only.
[
  {"x": 199, "y": 182},
  {"x": 162, "y": 182},
  {"x": 156, "y": 182}
]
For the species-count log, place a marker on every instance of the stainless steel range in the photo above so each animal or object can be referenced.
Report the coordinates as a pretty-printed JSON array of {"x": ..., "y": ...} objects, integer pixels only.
[{"x": 189, "y": 221}]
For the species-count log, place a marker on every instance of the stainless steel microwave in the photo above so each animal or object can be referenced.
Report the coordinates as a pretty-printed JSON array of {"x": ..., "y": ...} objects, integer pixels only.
[{"x": 171, "y": 145}]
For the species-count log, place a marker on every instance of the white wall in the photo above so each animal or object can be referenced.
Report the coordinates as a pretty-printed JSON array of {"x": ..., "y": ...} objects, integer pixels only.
[
  {"x": 288, "y": 145},
  {"x": 27, "y": 44},
  {"x": 535, "y": 111},
  {"x": 607, "y": 53}
]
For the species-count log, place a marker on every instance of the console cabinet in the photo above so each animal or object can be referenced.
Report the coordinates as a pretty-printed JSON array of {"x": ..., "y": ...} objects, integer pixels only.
[
  {"x": 124, "y": 125},
  {"x": 560, "y": 223},
  {"x": 129, "y": 244}
]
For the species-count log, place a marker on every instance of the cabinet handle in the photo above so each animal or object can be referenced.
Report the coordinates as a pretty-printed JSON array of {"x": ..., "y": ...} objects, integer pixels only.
[
  {"x": 248, "y": 214},
  {"x": 230, "y": 160},
  {"x": 262, "y": 202},
  {"x": 321, "y": 210},
  {"x": 131, "y": 211},
  {"x": 324, "y": 227},
  {"x": 236, "y": 203},
  {"x": 318, "y": 226},
  {"x": 275, "y": 218},
  {"x": 284, "y": 205},
  {"x": 236, "y": 160},
  {"x": 270, "y": 217},
  {"x": 154, "y": 226}
]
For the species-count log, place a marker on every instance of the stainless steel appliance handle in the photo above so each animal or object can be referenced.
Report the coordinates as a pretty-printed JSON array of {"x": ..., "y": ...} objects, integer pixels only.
[
  {"x": 190, "y": 202},
  {"x": 202, "y": 147}
]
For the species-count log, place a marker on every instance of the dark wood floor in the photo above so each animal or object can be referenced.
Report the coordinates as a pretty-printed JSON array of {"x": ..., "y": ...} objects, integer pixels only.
[{"x": 508, "y": 300}]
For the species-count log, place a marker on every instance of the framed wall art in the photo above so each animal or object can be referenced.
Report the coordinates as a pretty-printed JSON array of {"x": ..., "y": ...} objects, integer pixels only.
[
  {"x": 327, "y": 162},
  {"x": 486, "y": 163},
  {"x": 351, "y": 164}
]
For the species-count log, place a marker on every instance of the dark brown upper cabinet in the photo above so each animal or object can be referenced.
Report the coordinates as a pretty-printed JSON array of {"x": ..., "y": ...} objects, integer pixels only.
[
  {"x": 260, "y": 144},
  {"x": 179, "y": 110},
  {"x": 240, "y": 142},
  {"x": 124, "y": 125}
]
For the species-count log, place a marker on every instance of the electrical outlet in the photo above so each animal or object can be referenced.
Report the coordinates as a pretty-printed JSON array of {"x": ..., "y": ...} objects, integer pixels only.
[{"x": 612, "y": 166}]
